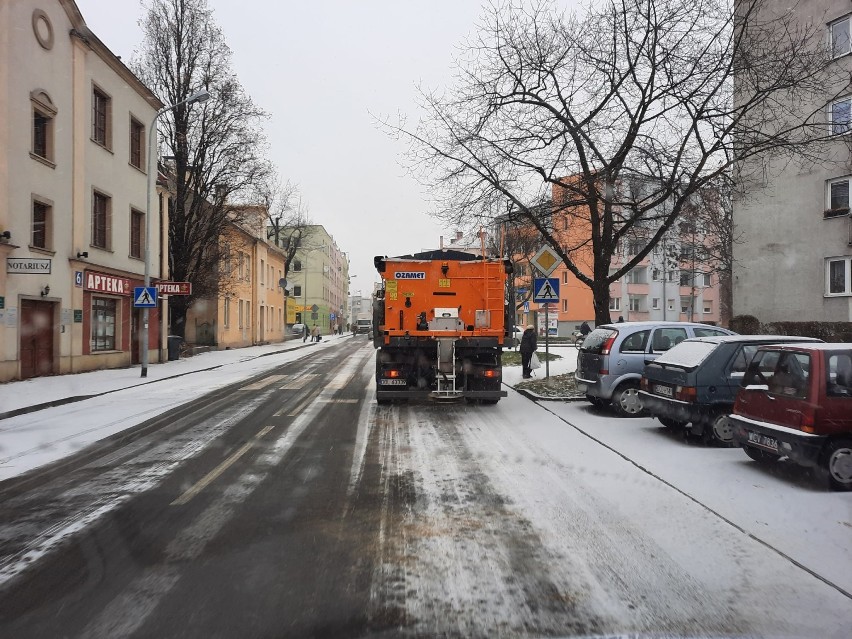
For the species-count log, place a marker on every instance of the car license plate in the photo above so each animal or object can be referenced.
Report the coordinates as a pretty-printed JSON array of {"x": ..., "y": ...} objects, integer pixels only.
[
  {"x": 392, "y": 382},
  {"x": 663, "y": 390},
  {"x": 763, "y": 441}
]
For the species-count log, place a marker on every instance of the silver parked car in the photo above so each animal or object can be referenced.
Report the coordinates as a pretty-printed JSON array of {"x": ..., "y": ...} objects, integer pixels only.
[{"x": 613, "y": 356}]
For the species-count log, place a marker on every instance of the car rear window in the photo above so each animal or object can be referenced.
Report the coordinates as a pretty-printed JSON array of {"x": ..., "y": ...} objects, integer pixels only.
[
  {"x": 687, "y": 354},
  {"x": 595, "y": 340},
  {"x": 665, "y": 338},
  {"x": 791, "y": 375},
  {"x": 708, "y": 332}
]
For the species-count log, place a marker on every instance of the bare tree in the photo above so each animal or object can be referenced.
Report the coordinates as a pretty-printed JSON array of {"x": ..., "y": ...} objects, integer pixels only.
[
  {"x": 288, "y": 219},
  {"x": 557, "y": 107},
  {"x": 215, "y": 148}
]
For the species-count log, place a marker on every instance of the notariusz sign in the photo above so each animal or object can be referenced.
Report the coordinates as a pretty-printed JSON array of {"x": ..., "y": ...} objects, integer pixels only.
[{"x": 37, "y": 265}]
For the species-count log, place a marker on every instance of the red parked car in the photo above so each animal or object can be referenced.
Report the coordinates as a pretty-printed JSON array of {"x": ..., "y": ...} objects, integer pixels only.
[{"x": 796, "y": 402}]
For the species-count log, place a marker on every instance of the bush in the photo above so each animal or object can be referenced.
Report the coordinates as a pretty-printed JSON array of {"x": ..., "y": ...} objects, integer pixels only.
[
  {"x": 745, "y": 324},
  {"x": 826, "y": 331}
]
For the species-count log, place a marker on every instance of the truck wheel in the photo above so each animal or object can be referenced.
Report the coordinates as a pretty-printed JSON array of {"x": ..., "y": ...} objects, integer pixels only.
[
  {"x": 626, "y": 400},
  {"x": 838, "y": 463}
]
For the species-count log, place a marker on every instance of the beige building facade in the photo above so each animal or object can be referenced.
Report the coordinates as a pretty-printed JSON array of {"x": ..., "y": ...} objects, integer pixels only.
[{"x": 73, "y": 188}]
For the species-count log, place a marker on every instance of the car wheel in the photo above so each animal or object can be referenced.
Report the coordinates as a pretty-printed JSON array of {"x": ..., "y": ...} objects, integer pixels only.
[
  {"x": 626, "y": 400},
  {"x": 838, "y": 463},
  {"x": 719, "y": 431},
  {"x": 671, "y": 423},
  {"x": 760, "y": 455}
]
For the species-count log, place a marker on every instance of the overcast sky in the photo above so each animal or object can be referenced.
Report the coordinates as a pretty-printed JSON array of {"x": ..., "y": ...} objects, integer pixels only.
[{"x": 320, "y": 69}]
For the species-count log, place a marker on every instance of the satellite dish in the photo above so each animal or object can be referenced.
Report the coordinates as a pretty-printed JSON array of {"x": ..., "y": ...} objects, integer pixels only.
[{"x": 283, "y": 283}]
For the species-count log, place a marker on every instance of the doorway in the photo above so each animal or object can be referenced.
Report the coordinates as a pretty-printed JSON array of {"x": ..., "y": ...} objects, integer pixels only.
[{"x": 36, "y": 338}]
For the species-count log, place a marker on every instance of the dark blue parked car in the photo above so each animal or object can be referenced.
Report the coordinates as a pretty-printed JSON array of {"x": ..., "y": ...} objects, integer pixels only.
[{"x": 695, "y": 383}]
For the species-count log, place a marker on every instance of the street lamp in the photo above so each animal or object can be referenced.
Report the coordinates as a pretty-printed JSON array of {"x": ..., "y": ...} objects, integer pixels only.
[{"x": 198, "y": 96}]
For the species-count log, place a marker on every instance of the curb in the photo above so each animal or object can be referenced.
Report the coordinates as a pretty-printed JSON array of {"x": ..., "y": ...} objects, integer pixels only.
[
  {"x": 24, "y": 410},
  {"x": 547, "y": 398}
]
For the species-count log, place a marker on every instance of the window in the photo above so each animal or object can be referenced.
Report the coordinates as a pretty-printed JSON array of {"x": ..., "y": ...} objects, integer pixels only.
[
  {"x": 837, "y": 198},
  {"x": 742, "y": 359},
  {"x": 703, "y": 279},
  {"x": 655, "y": 303},
  {"x": 687, "y": 253},
  {"x": 634, "y": 247},
  {"x": 101, "y": 114},
  {"x": 837, "y": 276},
  {"x": 839, "y": 115},
  {"x": 297, "y": 265},
  {"x": 248, "y": 267},
  {"x": 687, "y": 228},
  {"x": 685, "y": 304},
  {"x": 655, "y": 274},
  {"x": 240, "y": 312},
  {"x": 615, "y": 303},
  {"x": 103, "y": 324},
  {"x": 708, "y": 306},
  {"x": 670, "y": 276},
  {"x": 44, "y": 113},
  {"x": 226, "y": 312},
  {"x": 636, "y": 343},
  {"x": 42, "y": 213},
  {"x": 636, "y": 303},
  {"x": 564, "y": 277},
  {"x": 297, "y": 291},
  {"x": 839, "y": 374},
  {"x": 685, "y": 278},
  {"x": 262, "y": 271},
  {"x": 137, "y": 143},
  {"x": 665, "y": 338},
  {"x": 791, "y": 375},
  {"x": 840, "y": 42},
  {"x": 100, "y": 220},
  {"x": 137, "y": 233},
  {"x": 564, "y": 306},
  {"x": 637, "y": 276}
]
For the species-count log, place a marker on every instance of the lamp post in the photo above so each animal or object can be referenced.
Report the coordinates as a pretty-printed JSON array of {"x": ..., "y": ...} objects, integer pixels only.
[{"x": 198, "y": 96}]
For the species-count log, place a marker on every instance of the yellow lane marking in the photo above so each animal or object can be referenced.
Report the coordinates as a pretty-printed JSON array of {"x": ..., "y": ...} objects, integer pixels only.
[{"x": 221, "y": 468}]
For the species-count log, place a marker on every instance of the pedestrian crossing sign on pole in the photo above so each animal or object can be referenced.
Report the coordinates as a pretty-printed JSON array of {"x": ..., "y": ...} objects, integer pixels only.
[
  {"x": 546, "y": 290},
  {"x": 145, "y": 297}
]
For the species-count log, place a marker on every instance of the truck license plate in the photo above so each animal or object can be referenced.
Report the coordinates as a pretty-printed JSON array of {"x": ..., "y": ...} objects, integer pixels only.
[
  {"x": 763, "y": 441},
  {"x": 663, "y": 390},
  {"x": 392, "y": 382}
]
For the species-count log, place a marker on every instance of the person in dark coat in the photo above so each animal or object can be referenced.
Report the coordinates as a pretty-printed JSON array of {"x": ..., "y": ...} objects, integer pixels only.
[
  {"x": 305, "y": 336},
  {"x": 529, "y": 342},
  {"x": 585, "y": 329}
]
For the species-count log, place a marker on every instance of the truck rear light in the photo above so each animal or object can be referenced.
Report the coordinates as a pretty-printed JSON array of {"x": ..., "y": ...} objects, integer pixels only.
[
  {"x": 392, "y": 373},
  {"x": 607, "y": 345},
  {"x": 686, "y": 393},
  {"x": 491, "y": 373}
]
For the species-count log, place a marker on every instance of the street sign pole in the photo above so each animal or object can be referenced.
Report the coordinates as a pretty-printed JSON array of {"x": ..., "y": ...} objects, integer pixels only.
[{"x": 546, "y": 342}]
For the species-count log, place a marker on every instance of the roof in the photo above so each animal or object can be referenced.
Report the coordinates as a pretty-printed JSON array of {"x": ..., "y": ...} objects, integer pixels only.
[
  {"x": 820, "y": 346},
  {"x": 652, "y": 323}
]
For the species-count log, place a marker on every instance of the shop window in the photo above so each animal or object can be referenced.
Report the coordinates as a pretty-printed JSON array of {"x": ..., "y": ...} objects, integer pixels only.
[{"x": 103, "y": 324}]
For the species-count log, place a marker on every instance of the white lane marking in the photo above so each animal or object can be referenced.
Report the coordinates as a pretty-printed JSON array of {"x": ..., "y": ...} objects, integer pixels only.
[
  {"x": 305, "y": 402},
  {"x": 339, "y": 401},
  {"x": 263, "y": 383},
  {"x": 210, "y": 477},
  {"x": 189, "y": 544},
  {"x": 300, "y": 382},
  {"x": 118, "y": 486},
  {"x": 366, "y": 419}
]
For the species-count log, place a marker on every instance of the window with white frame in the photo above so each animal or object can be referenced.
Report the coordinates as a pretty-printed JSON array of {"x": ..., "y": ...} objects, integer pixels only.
[
  {"x": 838, "y": 279},
  {"x": 840, "y": 114},
  {"x": 615, "y": 303},
  {"x": 655, "y": 303},
  {"x": 637, "y": 303},
  {"x": 840, "y": 40},
  {"x": 708, "y": 306},
  {"x": 655, "y": 274},
  {"x": 685, "y": 304},
  {"x": 703, "y": 279},
  {"x": 297, "y": 291},
  {"x": 837, "y": 197},
  {"x": 297, "y": 265}
]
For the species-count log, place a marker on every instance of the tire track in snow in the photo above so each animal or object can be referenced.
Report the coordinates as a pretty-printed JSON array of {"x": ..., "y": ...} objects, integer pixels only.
[{"x": 457, "y": 559}]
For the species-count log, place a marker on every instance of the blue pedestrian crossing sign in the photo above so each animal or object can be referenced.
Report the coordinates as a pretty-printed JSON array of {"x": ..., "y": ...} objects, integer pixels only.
[
  {"x": 145, "y": 297},
  {"x": 546, "y": 290}
]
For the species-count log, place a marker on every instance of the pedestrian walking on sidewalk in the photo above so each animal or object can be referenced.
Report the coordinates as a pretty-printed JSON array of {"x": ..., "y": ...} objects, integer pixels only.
[
  {"x": 315, "y": 333},
  {"x": 305, "y": 331},
  {"x": 529, "y": 343}
]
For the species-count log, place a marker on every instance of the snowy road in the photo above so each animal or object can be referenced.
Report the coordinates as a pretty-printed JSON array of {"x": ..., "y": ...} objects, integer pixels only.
[{"x": 292, "y": 505}]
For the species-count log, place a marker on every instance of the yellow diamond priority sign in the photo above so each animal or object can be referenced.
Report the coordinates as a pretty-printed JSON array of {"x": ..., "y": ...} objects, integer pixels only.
[{"x": 546, "y": 260}]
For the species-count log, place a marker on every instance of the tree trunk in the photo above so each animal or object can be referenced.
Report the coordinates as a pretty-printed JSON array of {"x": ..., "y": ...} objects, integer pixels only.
[
  {"x": 600, "y": 295},
  {"x": 177, "y": 316}
]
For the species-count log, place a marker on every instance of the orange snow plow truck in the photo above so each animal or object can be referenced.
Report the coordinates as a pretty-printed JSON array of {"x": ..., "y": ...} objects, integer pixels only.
[{"x": 441, "y": 322}]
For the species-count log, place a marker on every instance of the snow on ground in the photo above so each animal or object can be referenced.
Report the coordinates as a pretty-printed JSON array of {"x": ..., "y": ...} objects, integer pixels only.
[
  {"x": 785, "y": 506},
  {"x": 35, "y": 439},
  {"x": 514, "y": 522}
]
